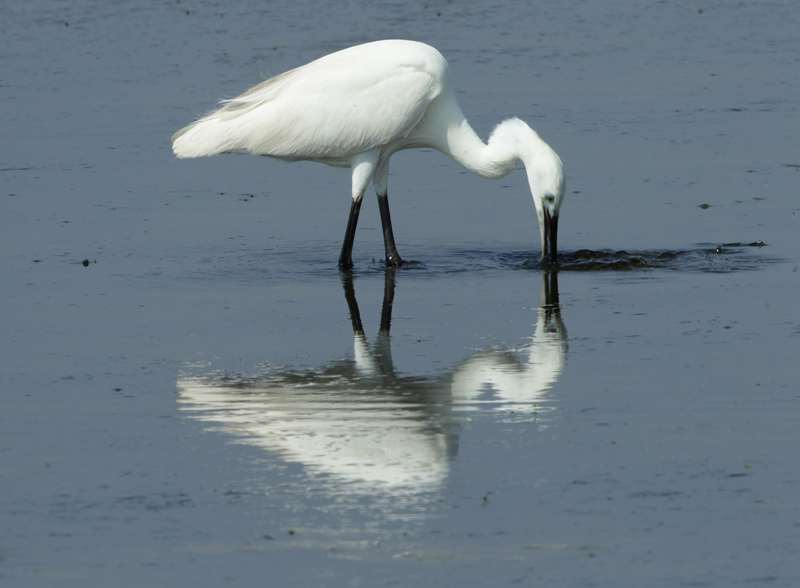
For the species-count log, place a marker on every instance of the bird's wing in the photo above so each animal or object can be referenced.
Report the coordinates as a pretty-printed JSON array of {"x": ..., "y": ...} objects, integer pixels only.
[{"x": 330, "y": 109}]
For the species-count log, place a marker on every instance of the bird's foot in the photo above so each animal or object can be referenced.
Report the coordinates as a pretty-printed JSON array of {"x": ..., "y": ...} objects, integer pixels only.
[{"x": 394, "y": 261}]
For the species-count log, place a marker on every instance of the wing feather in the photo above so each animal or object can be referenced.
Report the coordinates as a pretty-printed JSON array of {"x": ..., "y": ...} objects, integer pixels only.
[{"x": 331, "y": 109}]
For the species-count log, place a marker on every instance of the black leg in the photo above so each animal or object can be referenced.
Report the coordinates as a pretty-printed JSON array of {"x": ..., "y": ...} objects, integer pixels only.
[
  {"x": 392, "y": 257},
  {"x": 346, "y": 258}
]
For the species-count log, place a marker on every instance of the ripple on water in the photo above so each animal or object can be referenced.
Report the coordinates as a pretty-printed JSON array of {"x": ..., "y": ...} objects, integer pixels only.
[{"x": 315, "y": 260}]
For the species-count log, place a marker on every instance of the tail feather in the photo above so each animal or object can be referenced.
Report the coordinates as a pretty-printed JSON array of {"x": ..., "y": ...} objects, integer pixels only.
[
  {"x": 226, "y": 130},
  {"x": 207, "y": 136}
]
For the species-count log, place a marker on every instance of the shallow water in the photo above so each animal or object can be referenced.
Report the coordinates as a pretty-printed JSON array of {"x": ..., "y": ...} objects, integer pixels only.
[{"x": 209, "y": 400}]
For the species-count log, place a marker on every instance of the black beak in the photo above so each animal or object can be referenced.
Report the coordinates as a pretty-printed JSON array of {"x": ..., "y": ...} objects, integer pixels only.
[{"x": 550, "y": 253}]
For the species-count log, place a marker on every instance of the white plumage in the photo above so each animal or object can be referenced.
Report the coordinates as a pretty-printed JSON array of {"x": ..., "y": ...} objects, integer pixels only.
[{"x": 355, "y": 108}]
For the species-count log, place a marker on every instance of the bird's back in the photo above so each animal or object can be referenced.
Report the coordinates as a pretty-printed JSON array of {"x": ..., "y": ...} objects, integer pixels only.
[{"x": 342, "y": 104}]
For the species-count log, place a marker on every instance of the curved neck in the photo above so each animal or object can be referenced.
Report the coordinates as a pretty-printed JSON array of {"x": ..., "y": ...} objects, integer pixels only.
[
  {"x": 446, "y": 129},
  {"x": 490, "y": 160}
]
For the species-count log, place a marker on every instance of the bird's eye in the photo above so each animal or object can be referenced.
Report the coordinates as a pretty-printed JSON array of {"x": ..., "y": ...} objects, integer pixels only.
[{"x": 550, "y": 198}]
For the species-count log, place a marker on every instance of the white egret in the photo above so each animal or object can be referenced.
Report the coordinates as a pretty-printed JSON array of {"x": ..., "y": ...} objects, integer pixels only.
[{"x": 355, "y": 108}]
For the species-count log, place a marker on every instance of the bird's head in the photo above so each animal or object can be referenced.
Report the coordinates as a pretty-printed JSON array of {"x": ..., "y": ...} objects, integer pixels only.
[
  {"x": 513, "y": 140},
  {"x": 547, "y": 182}
]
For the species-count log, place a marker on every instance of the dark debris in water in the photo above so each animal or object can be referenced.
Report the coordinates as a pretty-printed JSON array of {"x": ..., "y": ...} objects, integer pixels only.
[
  {"x": 758, "y": 243},
  {"x": 587, "y": 260},
  {"x": 727, "y": 257}
]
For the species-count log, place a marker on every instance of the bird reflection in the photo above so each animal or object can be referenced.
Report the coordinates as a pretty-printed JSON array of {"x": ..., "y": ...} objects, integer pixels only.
[
  {"x": 517, "y": 380},
  {"x": 364, "y": 428}
]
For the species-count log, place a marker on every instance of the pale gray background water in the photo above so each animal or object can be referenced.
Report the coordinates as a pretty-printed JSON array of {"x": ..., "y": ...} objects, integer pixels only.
[{"x": 190, "y": 409}]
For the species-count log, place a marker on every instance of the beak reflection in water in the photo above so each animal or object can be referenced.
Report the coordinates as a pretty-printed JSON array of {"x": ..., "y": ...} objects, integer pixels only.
[{"x": 360, "y": 428}]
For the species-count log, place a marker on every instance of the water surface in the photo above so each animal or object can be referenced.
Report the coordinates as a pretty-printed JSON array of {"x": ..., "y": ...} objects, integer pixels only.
[{"x": 209, "y": 401}]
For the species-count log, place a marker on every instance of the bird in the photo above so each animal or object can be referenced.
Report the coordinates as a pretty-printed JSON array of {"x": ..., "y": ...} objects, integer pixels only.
[{"x": 357, "y": 107}]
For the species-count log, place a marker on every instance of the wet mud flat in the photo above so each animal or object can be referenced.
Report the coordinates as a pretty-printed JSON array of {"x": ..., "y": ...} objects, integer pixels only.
[{"x": 210, "y": 401}]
